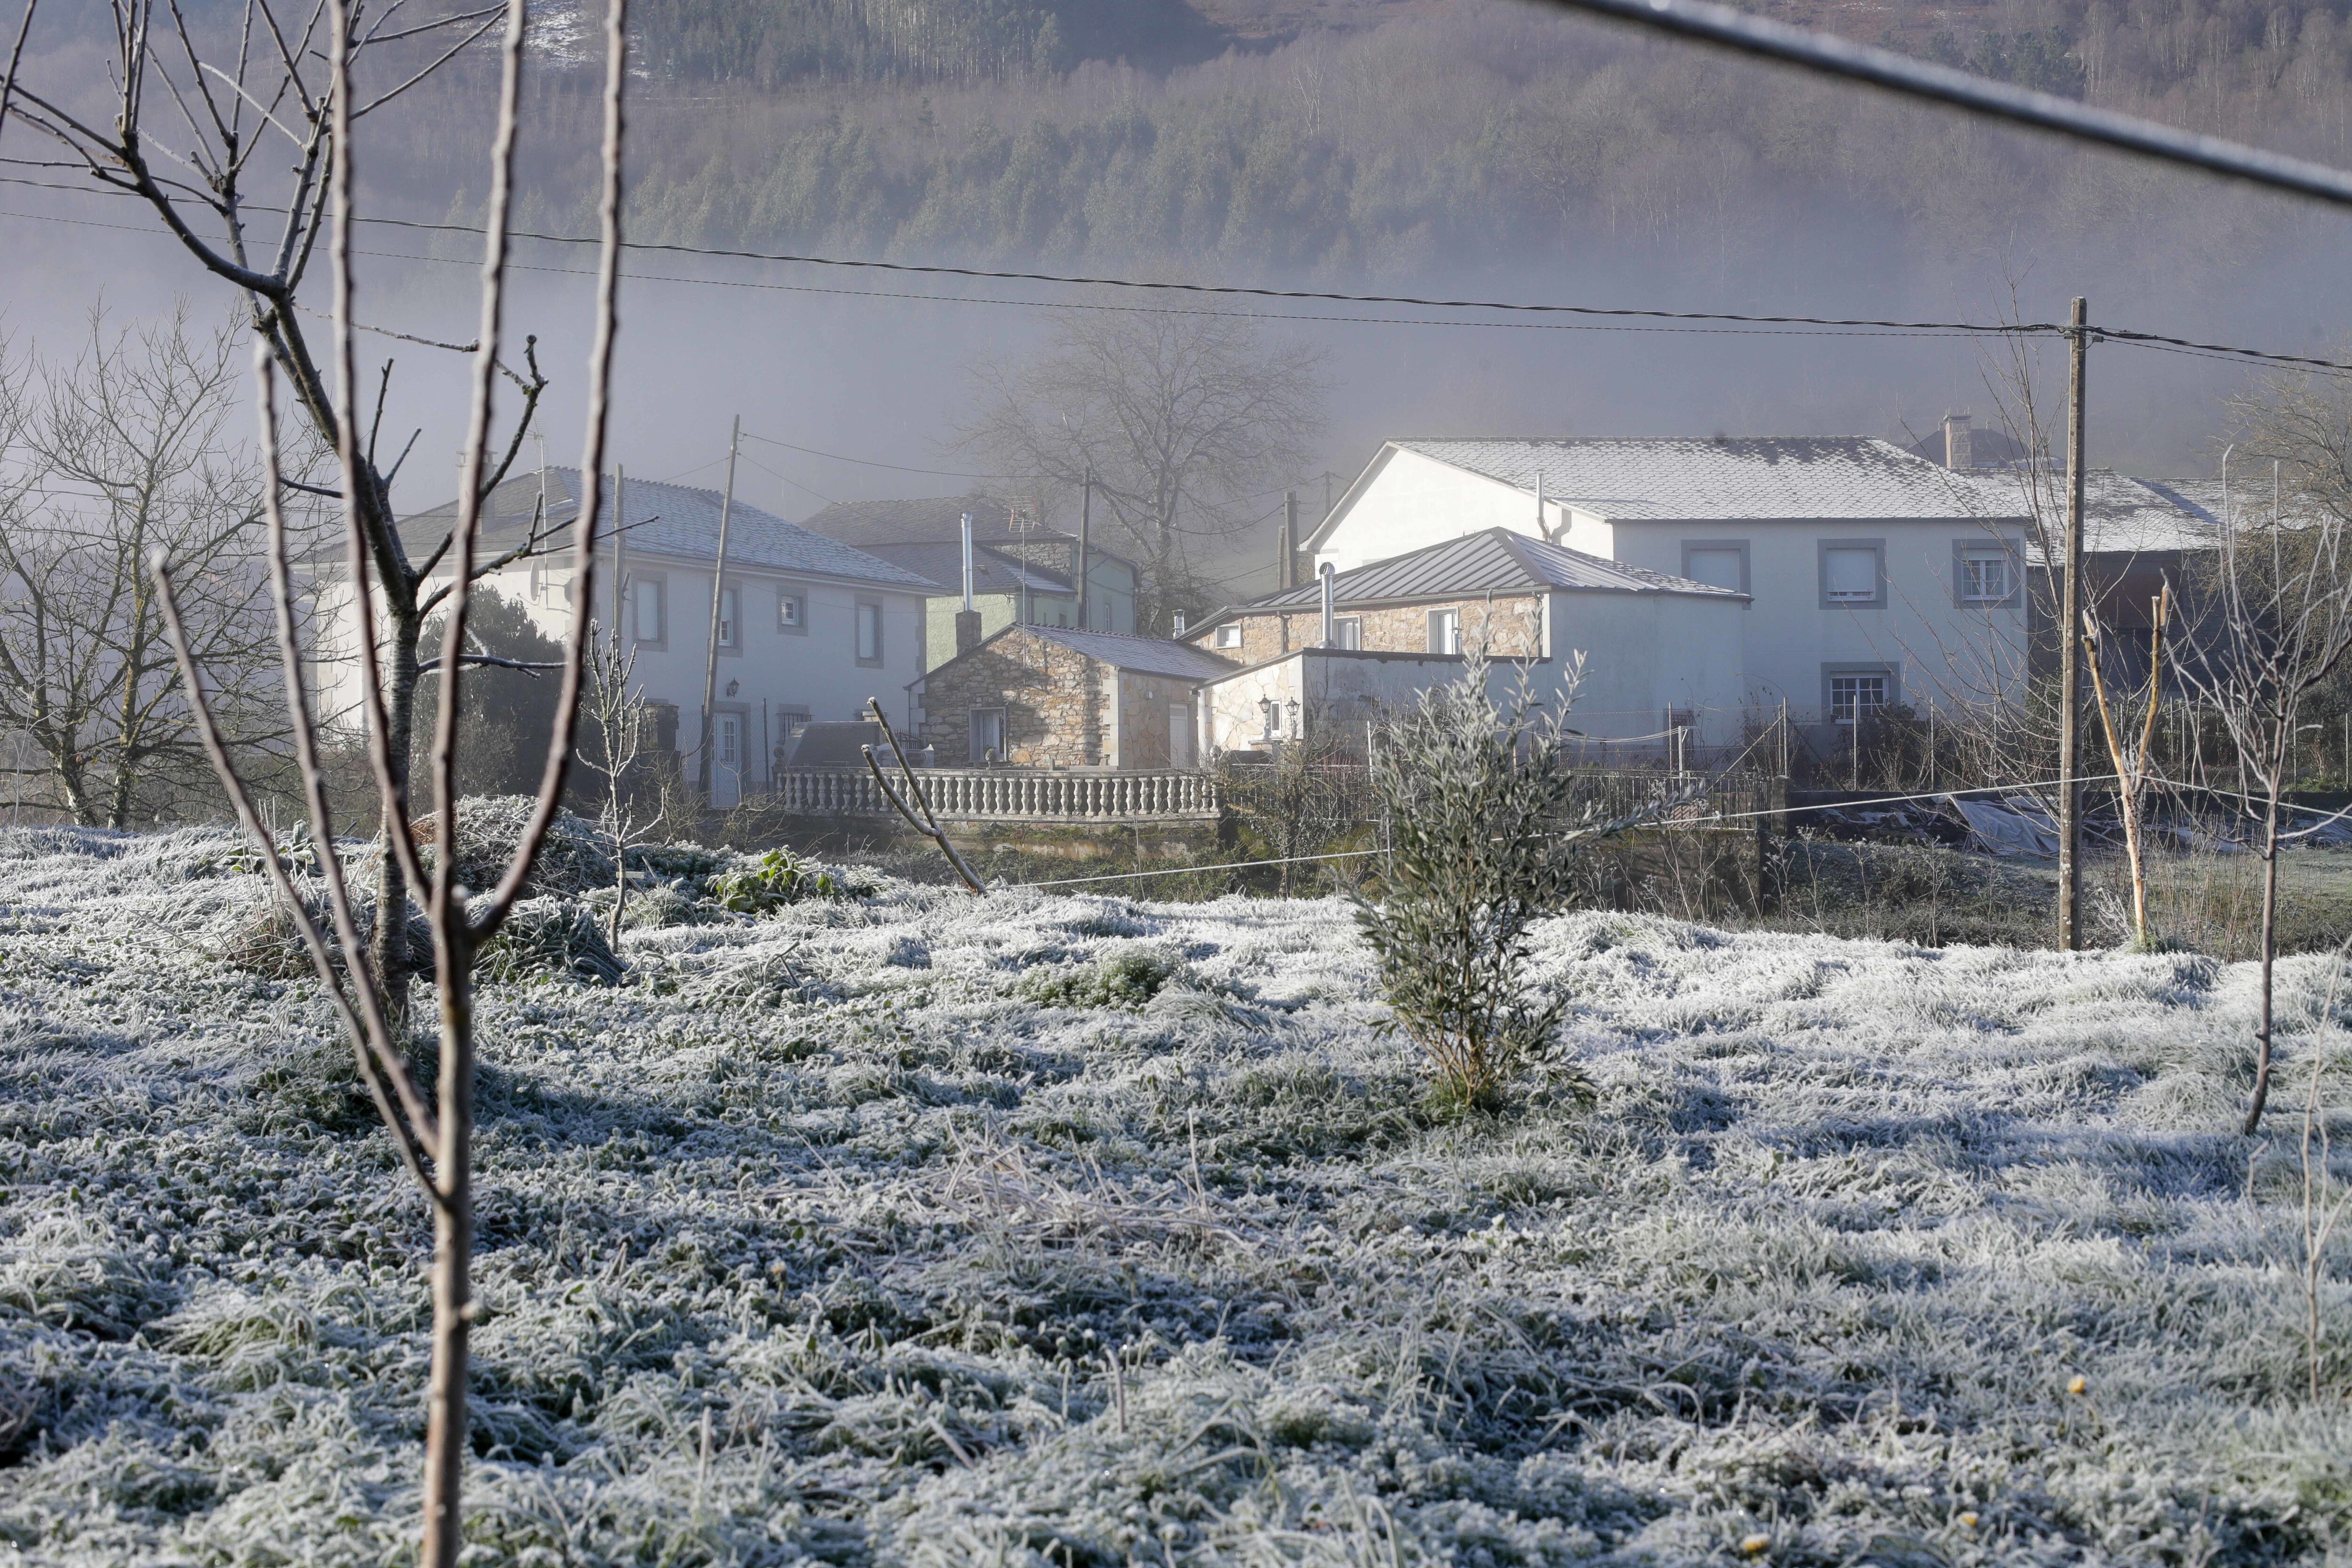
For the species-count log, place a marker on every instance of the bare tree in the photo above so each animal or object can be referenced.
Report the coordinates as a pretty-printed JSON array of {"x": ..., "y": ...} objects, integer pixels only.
[
  {"x": 2280, "y": 593},
  {"x": 1174, "y": 419},
  {"x": 435, "y": 1140},
  {"x": 2130, "y": 754},
  {"x": 124, "y": 453},
  {"x": 206, "y": 92},
  {"x": 617, "y": 721}
]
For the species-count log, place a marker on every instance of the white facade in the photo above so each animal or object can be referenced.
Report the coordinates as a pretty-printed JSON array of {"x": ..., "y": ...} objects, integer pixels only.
[
  {"x": 1865, "y": 563},
  {"x": 1649, "y": 663},
  {"x": 811, "y": 629}
]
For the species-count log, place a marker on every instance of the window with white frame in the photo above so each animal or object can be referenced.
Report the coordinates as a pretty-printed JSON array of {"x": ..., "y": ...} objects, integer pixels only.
[
  {"x": 729, "y": 601},
  {"x": 1850, "y": 574},
  {"x": 869, "y": 632},
  {"x": 791, "y": 610},
  {"x": 645, "y": 598},
  {"x": 1347, "y": 631},
  {"x": 1985, "y": 574},
  {"x": 1856, "y": 694},
  {"x": 1445, "y": 631},
  {"x": 1229, "y": 635}
]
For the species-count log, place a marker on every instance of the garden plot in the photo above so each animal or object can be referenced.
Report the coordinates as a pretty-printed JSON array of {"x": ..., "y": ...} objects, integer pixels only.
[{"x": 925, "y": 1229}]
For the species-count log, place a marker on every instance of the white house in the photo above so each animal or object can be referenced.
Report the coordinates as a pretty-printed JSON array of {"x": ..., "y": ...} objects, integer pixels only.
[
  {"x": 1660, "y": 653},
  {"x": 808, "y": 629},
  {"x": 1872, "y": 576}
]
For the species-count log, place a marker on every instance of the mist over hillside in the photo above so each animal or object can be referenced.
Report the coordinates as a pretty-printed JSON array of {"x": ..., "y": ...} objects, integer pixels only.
[{"x": 1439, "y": 147}]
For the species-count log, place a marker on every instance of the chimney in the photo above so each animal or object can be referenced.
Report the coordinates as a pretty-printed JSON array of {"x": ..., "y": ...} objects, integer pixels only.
[
  {"x": 1542, "y": 530},
  {"x": 967, "y": 621},
  {"x": 1286, "y": 561},
  {"x": 1330, "y": 618},
  {"x": 1179, "y": 623},
  {"x": 1959, "y": 452}
]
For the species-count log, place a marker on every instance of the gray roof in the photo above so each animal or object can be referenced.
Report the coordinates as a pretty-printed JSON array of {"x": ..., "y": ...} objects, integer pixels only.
[
  {"x": 1728, "y": 479},
  {"x": 2125, "y": 515},
  {"x": 1496, "y": 561},
  {"x": 923, "y": 520},
  {"x": 991, "y": 572},
  {"x": 673, "y": 521},
  {"x": 1144, "y": 655}
]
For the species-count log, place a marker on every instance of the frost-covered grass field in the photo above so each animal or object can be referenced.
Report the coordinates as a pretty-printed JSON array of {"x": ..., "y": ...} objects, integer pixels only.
[{"x": 911, "y": 1231}]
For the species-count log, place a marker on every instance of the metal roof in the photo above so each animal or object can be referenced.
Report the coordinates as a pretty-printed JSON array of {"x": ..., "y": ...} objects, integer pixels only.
[
  {"x": 1727, "y": 479},
  {"x": 668, "y": 519},
  {"x": 1145, "y": 655},
  {"x": 1496, "y": 561}
]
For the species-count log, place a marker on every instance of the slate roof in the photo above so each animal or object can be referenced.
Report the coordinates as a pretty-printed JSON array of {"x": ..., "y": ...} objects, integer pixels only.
[
  {"x": 1496, "y": 561},
  {"x": 1728, "y": 479},
  {"x": 1144, "y": 655},
  {"x": 924, "y": 520},
  {"x": 669, "y": 520},
  {"x": 2125, "y": 515},
  {"x": 991, "y": 572}
]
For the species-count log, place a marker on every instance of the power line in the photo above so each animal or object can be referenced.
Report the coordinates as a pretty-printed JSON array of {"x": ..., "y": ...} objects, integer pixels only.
[
  {"x": 870, "y": 463},
  {"x": 1591, "y": 317},
  {"x": 1829, "y": 55}
]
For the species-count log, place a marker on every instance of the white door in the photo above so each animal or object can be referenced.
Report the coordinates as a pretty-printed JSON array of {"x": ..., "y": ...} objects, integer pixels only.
[
  {"x": 1179, "y": 735},
  {"x": 727, "y": 783}
]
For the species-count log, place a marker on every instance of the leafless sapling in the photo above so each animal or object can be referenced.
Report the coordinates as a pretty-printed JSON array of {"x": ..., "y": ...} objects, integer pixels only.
[
  {"x": 434, "y": 1139},
  {"x": 249, "y": 113},
  {"x": 2131, "y": 755}
]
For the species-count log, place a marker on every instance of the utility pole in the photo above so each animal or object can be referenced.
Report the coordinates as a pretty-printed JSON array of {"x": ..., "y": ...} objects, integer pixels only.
[
  {"x": 1086, "y": 521},
  {"x": 620, "y": 562},
  {"x": 718, "y": 596},
  {"x": 2070, "y": 649}
]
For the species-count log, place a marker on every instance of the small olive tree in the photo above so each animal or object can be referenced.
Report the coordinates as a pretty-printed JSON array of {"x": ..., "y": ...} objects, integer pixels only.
[{"x": 1484, "y": 820}]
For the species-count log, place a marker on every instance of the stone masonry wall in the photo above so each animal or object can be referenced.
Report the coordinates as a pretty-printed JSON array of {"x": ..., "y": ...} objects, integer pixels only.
[
  {"x": 1513, "y": 626},
  {"x": 1055, "y": 702}
]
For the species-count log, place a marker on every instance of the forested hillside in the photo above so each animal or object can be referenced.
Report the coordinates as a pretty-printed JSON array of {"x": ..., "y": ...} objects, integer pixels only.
[{"x": 1353, "y": 140}]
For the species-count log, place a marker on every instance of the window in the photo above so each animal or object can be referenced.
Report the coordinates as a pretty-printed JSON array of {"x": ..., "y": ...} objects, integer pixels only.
[
  {"x": 1985, "y": 575},
  {"x": 792, "y": 611},
  {"x": 1229, "y": 635},
  {"x": 1445, "y": 631},
  {"x": 869, "y": 632},
  {"x": 988, "y": 734},
  {"x": 1347, "y": 631},
  {"x": 729, "y": 601},
  {"x": 645, "y": 597},
  {"x": 1719, "y": 563},
  {"x": 1853, "y": 572},
  {"x": 1856, "y": 693}
]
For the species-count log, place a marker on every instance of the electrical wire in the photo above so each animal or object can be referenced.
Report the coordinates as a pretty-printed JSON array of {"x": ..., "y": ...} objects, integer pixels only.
[
  {"x": 870, "y": 463},
  {"x": 1677, "y": 822},
  {"x": 1592, "y": 318},
  {"x": 1829, "y": 55}
]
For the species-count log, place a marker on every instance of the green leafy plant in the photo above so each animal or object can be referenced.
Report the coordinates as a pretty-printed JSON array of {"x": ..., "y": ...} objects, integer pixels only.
[
  {"x": 779, "y": 878},
  {"x": 1484, "y": 820}
]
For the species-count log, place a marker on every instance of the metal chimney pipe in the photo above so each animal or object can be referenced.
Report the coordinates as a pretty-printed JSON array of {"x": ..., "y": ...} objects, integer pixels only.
[
  {"x": 1330, "y": 618},
  {"x": 967, "y": 562}
]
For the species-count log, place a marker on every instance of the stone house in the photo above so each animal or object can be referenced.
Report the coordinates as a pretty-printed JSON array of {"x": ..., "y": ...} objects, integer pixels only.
[
  {"x": 1023, "y": 572},
  {"x": 1649, "y": 653},
  {"x": 1053, "y": 697}
]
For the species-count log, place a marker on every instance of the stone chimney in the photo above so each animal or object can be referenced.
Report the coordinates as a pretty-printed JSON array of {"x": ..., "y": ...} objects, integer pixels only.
[
  {"x": 1958, "y": 451},
  {"x": 967, "y": 624}
]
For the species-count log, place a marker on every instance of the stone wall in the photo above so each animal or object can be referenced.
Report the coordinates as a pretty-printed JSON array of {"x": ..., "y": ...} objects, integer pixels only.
[
  {"x": 1514, "y": 627},
  {"x": 1055, "y": 700}
]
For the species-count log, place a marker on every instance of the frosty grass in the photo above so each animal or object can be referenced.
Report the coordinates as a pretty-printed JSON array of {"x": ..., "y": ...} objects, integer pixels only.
[{"x": 845, "y": 1235}]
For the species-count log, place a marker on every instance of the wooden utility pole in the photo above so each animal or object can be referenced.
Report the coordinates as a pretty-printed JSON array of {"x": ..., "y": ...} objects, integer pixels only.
[
  {"x": 2070, "y": 660},
  {"x": 718, "y": 595}
]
